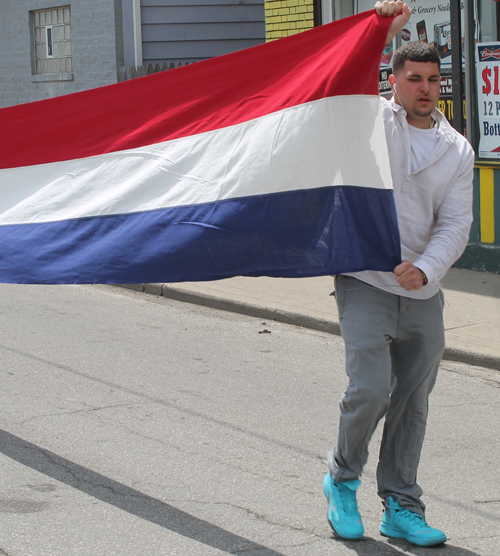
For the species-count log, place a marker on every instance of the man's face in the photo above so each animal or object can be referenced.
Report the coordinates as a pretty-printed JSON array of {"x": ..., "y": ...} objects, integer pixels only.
[{"x": 417, "y": 90}]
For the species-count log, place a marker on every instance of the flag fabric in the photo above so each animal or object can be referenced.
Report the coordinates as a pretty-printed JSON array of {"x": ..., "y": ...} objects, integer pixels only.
[{"x": 269, "y": 161}]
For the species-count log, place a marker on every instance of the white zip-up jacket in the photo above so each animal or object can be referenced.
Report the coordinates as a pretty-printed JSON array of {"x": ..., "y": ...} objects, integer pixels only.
[{"x": 434, "y": 203}]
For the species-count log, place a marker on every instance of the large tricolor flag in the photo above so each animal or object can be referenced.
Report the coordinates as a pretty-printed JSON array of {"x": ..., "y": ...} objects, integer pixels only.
[{"x": 269, "y": 161}]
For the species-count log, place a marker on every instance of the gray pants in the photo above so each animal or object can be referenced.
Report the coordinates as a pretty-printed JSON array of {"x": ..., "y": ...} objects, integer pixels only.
[{"x": 393, "y": 348}]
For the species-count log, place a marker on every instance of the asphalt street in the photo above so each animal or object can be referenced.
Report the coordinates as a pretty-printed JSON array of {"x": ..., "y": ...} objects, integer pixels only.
[{"x": 135, "y": 424}]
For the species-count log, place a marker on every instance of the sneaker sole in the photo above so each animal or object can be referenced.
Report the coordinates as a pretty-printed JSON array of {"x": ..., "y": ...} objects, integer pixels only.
[
  {"x": 393, "y": 533},
  {"x": 342, "y": 535}
]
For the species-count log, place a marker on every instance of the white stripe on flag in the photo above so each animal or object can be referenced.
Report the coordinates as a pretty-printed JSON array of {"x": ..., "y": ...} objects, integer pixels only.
[{"x": 304, "y": 147}]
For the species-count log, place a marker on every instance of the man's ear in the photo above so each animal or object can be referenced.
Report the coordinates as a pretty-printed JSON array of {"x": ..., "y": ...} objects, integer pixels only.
[{"x": 392, "y": 79}]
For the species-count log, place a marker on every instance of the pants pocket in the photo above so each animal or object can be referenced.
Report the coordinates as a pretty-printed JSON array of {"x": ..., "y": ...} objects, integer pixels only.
[{"x": 340, "y": 294}]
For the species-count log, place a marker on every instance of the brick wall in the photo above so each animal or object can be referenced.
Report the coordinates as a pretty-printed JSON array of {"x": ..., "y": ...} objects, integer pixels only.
[
  {"x": 288, "y": 17},
  {"x": 97, "y": 48}
]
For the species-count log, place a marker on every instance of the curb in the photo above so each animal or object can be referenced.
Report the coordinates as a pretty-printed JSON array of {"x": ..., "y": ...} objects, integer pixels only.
[
  {"x": 472, "y": 358},
  {"x": 290, "y": 317},
  {"x": 266, "y": 313}
]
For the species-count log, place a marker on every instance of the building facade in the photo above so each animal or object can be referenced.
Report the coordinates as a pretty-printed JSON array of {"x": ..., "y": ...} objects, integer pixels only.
[
  {"x": 182, "y": 32},
  {"x": 54, "y": 47},
  {"x": 289, "y": 17}
]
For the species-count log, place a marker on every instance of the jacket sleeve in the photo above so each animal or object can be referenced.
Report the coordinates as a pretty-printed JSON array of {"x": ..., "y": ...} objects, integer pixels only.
[{"x": 453, "y": 222}]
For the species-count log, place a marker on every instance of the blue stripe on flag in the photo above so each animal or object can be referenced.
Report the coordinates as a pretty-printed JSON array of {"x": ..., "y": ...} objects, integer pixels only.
[{"x": 328, "y": 230}]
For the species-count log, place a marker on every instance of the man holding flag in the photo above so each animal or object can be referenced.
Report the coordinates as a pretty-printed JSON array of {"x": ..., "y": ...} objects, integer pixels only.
[
  {"x": 249, "y": 164},
  {"x": 392, "y": 323}
]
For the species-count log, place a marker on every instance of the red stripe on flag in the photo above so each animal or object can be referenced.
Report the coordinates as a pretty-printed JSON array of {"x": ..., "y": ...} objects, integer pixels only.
[{"x": 340, "y": 58}]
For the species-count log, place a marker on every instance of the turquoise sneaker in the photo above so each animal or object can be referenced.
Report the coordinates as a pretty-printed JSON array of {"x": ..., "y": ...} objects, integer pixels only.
[
  {"x": 343, "y": 514},
  {"x": 399, "y": 523}
]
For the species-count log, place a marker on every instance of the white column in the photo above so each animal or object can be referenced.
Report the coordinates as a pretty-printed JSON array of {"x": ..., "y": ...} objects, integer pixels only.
[
  {"x": 136, "y": 18},
  {"x": 326, "y": 11},
  {"x": 132, "y": 36}
]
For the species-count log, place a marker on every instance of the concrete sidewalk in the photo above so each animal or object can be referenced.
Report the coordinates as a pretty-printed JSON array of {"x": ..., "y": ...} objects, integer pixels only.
[{"x": 472, "y": 313}]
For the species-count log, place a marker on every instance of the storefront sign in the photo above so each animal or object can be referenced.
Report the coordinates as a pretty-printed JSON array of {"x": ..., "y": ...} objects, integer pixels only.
[
  {"x": 383, "y": 81},
  {"x": 445, "y": 103},
  {"x": 430, "y": 22},
  {"x": 488, "y": 97}
]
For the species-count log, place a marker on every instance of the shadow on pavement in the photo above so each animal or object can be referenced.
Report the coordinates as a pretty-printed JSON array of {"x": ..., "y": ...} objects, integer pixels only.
[
  {"x": 369, "y": 546},
  {"x": 441, "y": 550},
  {"x": 126, "y": 498},
  {"x": 473, "y": 281}
]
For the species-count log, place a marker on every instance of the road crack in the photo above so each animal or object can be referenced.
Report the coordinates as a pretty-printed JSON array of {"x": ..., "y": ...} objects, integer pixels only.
[
  {"x": 262, "y": 517},
  {"x": 58, "y": 414}
]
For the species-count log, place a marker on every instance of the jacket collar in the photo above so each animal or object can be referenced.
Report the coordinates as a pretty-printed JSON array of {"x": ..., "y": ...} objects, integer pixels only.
[{"x": 443, "y": 125}]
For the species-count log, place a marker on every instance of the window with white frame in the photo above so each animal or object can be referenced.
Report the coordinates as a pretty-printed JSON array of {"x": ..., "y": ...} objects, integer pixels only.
[{"x": 52, "y": 41}]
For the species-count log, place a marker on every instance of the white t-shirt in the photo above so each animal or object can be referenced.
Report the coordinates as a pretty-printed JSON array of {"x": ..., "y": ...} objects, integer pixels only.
[{"x": 423, "y": 144}]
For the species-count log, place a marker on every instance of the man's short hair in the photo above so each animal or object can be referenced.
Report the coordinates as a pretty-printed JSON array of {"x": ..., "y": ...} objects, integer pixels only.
[{"x": 414, "y": 52}]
